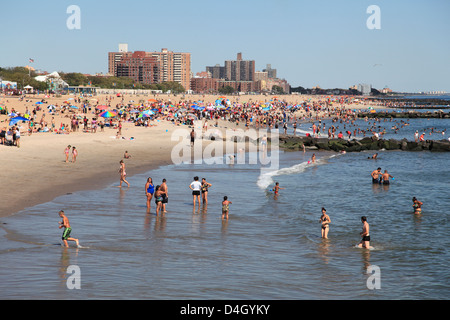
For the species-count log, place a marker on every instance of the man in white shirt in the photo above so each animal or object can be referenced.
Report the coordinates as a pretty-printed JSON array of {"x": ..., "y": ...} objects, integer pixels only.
[{"x": 196, "y": 186}]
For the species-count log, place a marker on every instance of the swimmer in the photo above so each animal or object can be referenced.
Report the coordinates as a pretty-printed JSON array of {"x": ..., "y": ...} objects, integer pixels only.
[
  {"x": 417, "y": 205},
  {"x": 325, "y": 221},
  {"x": 365, "y": 241},
  {"x": 313, "y": 158}
]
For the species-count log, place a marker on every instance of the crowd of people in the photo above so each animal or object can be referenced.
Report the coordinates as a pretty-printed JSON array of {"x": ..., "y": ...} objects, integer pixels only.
[{"x": 90, "y": 116}]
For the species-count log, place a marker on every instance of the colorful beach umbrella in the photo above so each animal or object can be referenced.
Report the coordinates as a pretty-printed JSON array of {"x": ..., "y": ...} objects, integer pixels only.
[{"x": 108, "y": 114}]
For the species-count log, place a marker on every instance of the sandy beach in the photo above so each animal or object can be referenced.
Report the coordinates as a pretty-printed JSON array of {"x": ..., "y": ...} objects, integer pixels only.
[{"x": 37, "y": 172}]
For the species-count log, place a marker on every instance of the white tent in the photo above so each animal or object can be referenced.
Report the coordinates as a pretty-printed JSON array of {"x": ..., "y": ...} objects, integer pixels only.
[{"x": 54, "y": 77}]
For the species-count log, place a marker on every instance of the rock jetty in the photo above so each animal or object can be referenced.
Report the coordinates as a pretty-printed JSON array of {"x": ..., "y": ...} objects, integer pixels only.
[
  {"x": 409, "y": 114},
  {"x": 296, "y": 143}
]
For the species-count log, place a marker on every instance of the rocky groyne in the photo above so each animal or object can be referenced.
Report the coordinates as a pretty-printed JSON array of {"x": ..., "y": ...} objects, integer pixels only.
[
  {"x": 408, "y": 114},
  {"x": 296, "y": 143}
]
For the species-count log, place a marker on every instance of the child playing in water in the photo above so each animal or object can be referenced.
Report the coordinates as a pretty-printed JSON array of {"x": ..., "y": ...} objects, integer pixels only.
[
  {"x": 225, "y": 207},
  {"x": 277, "y": 188}
]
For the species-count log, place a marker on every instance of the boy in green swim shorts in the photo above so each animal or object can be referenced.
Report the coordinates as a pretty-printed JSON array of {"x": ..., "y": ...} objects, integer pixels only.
[{"x": 66, "y": 234}]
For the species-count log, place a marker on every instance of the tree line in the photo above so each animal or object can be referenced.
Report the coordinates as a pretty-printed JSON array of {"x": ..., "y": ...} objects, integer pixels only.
[{"x": 24, "y": 77}]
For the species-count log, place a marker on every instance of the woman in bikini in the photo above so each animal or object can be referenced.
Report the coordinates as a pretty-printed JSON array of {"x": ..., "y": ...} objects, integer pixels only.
[
  {"x": 123, "y": 174},
  {"x": 204, "y": 189},
  {"x": 149, "y": 190},
  {"x": 417, "y": 205},
  {"x": 325, "y": 221}
]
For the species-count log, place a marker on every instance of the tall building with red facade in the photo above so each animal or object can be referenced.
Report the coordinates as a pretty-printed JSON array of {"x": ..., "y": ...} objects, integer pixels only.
[{"x": 151, "y": 67}]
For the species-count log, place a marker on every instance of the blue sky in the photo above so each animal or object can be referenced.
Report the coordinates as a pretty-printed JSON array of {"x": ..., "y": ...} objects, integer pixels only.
[{"x": 321, "y": 42}]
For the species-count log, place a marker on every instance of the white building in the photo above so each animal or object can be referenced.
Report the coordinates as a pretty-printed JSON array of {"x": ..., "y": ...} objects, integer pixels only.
[{"x": 365, "y": 89}]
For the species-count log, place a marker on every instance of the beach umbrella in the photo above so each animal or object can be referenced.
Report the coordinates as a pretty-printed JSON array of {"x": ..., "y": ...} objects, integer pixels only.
[
  {"x": 74, "y": 107},
  {"x": 108, "y": 114},
  {"x": 14, "y": 120},
  {"x": 38, "y": 102}
]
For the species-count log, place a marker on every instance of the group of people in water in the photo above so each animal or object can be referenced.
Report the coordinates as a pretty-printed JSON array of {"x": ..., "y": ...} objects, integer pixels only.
[{"x": 381, "y": 178}]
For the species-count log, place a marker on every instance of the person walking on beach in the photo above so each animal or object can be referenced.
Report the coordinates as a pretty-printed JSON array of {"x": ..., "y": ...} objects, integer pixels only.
[
  {"x": 417, "y": 205},
  {"x": 225, "y": 207},
  {"x": 67, "y": 230},
  {"x": 196, "y": 187},
  {"x": 149, "y": 190},
  {"x": 164, "y": 194},
  {"x": 205, "y": 186},
  {"x": 365, "y": 241},
  {"x": 325, "y": 221},
  {"x": 192, "y": 135},
  {"x": 123, "y": 174},
  {"x": 74, "y": 154},
  {"x": 376, "y": 175},
  {"x": 66, "y": 152}
]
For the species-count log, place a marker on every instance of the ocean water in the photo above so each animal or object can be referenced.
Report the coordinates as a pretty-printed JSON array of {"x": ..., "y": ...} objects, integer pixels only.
[
  {"x": 406, "y": 128},
  {"x": 270, "y": 248}
]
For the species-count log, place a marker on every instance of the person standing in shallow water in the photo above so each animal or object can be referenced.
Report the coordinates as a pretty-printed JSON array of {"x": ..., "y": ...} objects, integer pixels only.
[
  {"x": 149, "y": 190},
  {"x": 225, "y": 207},
  {"x": 123, "y": 174},
  {"x": 417, "y": 205},
  {"x": 196, "y": 187},
  {"x": 325, "y": 221},
  {"x": 365, "y": 241},
  {"x": 205, "y": 186}
]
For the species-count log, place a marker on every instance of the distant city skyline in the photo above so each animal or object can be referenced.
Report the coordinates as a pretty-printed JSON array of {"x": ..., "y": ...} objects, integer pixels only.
[{"x": 310, "y": 43}]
